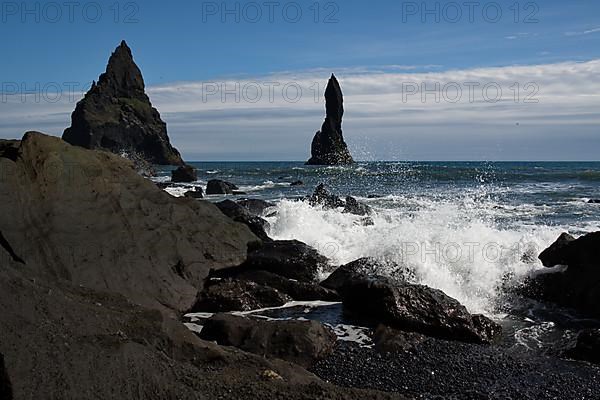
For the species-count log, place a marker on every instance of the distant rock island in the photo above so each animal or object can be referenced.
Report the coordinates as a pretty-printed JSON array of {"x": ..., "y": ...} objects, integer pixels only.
[
  {"x": 116, "y": 115},
  {"x": 328, "y": 146}
]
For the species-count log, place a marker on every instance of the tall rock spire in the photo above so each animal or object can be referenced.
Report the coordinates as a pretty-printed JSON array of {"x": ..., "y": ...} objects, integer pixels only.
[
  {"x": 328, "y": 146},
  {"x": 116, "y": 115}
]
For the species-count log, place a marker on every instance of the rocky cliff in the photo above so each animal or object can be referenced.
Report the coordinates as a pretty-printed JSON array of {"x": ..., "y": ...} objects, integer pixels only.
[
  {"x": 116, "y": 115},
  {"x": 328, "y": 146}
]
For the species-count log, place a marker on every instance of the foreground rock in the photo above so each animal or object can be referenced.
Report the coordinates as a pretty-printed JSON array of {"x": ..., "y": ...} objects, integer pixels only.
[
  {"x": 328, "y": 146},
  {"x": 578, "y": 285},
  {"x": 415, "y": 308},
  {"x": 5, "y": 385},
  {"x": 389, "y": 340},
  {"x": 363, "y": 268},
  {"x": 116, "y": 115},
  {"x": 184, "y": 174},
  {"x": 257, "y": 225},
  {"x": 217, "y": 186},
  {"x": 229, "y": 295},
  {"x": 300, "y": 342},
  {"x": 288, "y": 258},
  {"x": 87, "y": 217},
  {"x": 587, "y": 347},
  {"x": 299, "y": 291}
]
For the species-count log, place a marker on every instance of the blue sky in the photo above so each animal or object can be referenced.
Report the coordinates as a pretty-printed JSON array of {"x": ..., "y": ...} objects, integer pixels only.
[{"x": 179, "y": 44}]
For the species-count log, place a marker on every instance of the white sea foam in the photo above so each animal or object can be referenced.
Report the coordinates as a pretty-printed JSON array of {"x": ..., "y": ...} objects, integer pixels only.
[{"x": 455, "y": 245}]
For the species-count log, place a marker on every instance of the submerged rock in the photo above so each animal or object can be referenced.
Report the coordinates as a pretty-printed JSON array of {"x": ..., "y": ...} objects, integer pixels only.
[
  {"x": 217, "y": 186},
  {"x": 184, "y": 174},
  {"x": 415, "y": 308},
  {"x": 300, "y": 342},
  {"x": 297, "y": 183},
  {"x": 116, "y": 115},
  {"x": 229, "y": 295},
  {"x": 328, "y": 146}
]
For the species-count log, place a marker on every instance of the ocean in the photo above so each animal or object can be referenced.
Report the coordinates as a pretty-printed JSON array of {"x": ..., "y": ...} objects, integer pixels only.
[{"x": 471, "y": 229}]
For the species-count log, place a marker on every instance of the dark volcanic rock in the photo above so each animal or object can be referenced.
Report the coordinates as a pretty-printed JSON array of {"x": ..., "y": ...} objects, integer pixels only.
[
  {"x": 587, "y": 347},
  {"x": 328, "y": 146},
  {"x": 357, "y": 270},
  {"x": 184, "y": 174},
  {"x": 594, "y": 201},
  {"x": 194, "y": 194},
  {"x": 300, "y": 291},
  {"x": 240, "y": 214},
  {"x": 9, "y": 149},
  {"x": 116, "y": 115},
  {"x": 415, "y": 308},
  {"x": 322, "y": 196},
  {"x": 87, "y": 217},
  {"x": 5, "y": 385},
  {"x": 255, "y": 207},
  {"x": 228, "y": 295},
  {"x": 354, "y": 207},
  {"x": 389, "y": 340},
  {"x": 289, "y": 258},
  {"x": 556, "y": 254},
  {"x": 300, "y": 342},
  {"x": 579, "y": 285},
  {"x": 217, "y": 186},
  {"x": 297, "y": 183}
]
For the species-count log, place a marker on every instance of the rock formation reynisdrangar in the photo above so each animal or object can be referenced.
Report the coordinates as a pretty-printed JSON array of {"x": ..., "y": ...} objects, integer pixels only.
[
  {"x": 328, "y": 146},
  {"x": 116, "y": 115}
]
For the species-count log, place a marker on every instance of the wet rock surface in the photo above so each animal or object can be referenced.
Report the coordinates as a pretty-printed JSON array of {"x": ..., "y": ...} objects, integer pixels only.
[
  {"x": 300, "y": 342},
  {"x": 415, "y": 308},
  {"x": 577, "y": 286}
]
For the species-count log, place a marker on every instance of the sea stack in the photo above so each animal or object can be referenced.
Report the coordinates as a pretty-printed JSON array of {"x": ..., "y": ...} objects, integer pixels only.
[
  {"x": 328, "y": 146},
  {"x": 116, "y": 115}
]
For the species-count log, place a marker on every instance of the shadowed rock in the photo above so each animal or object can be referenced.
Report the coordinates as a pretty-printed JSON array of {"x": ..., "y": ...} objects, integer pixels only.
[
  {"x": 578, "y": 285},
  {"x": 5, "y": 386},
  {"x": 328, "y": 146},
  {"x": 184, "y": 174},
  {"x": 300, "y": 342},
  {"x": 116, "y": 115},
  {"x": 228, "y": 295},
  {"x": 587, "y": 347},
  {"x": 217, "y": 186}
]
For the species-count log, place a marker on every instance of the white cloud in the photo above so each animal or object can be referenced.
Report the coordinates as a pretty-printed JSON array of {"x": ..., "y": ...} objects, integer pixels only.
[
  {"x": 586, "y": 32},
  {"x": 382, "y": 121}
]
